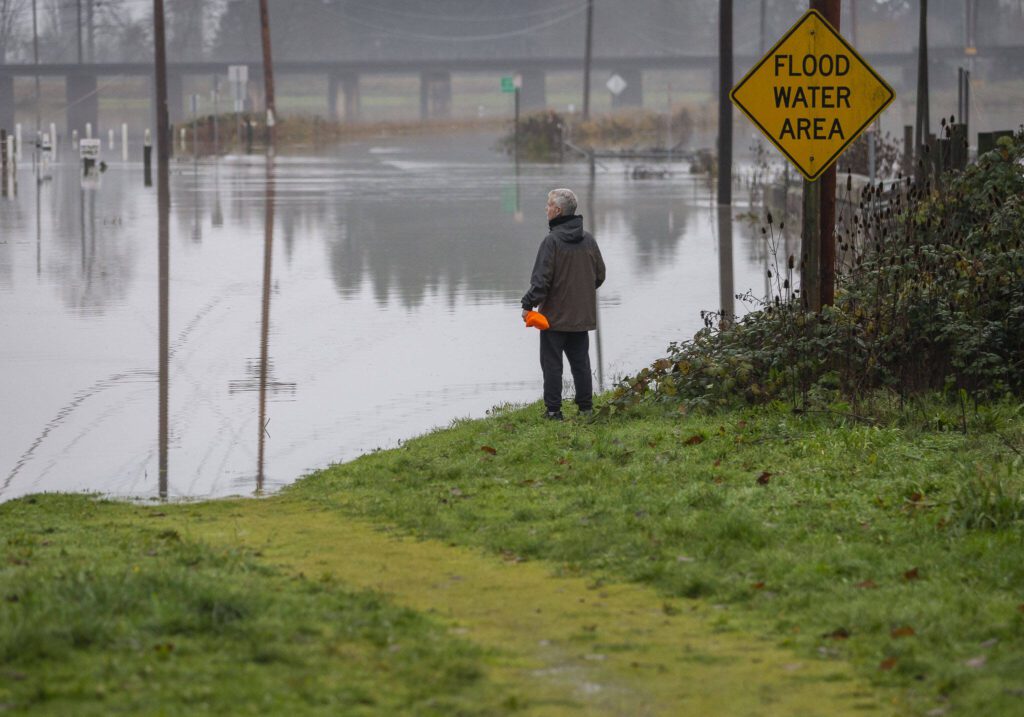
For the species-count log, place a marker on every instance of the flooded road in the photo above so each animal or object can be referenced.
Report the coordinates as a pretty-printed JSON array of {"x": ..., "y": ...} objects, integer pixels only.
[{"x": 315, "y": 309}]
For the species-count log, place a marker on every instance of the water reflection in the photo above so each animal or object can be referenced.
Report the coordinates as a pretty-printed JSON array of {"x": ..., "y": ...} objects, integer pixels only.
[
  {"x": 394, "y": 273},
  {"x": 164, "y": 303},
  {"x": 268, "y": 255}
]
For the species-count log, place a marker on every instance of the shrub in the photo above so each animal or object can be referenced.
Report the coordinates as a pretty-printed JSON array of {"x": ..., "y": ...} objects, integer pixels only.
[{"x": 929, "y": 296}]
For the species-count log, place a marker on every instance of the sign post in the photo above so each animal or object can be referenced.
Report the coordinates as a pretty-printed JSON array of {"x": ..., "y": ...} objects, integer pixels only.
[
  {"x": 812, "y": 95},
  {"x": 514, "y": 85}
]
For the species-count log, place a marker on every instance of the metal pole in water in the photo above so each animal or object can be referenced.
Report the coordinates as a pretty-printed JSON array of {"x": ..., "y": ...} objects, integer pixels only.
[
  {"x": 588, "y": 44},
  {"x": 147, "y": 159},
  {"x": 124, "y": 141}
]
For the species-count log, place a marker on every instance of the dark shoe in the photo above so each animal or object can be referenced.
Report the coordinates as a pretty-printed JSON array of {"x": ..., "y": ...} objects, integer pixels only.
[
  {"x": 588, "y": 413},
  {"x": 553, "y": 415}
]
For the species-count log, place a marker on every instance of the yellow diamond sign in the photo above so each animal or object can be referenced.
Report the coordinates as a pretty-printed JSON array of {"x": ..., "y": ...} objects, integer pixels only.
[{"x": 812, "y": 94}]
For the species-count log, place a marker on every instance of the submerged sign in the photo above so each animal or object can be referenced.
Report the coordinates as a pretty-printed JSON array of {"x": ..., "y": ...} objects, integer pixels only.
[{"x": 812, "y": 94}]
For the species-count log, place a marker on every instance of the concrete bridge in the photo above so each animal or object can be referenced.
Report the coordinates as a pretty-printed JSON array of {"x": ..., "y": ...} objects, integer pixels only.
[{"x": 343, "y": 77}]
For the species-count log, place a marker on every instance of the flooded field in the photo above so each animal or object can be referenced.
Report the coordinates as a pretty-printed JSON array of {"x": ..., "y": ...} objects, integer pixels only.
[{"x": 316, "y": 309}]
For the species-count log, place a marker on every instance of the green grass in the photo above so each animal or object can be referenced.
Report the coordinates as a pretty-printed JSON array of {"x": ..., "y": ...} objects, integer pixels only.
[
  {"x": 897, "y": 545},
  {"x": 100, "y": 617}
]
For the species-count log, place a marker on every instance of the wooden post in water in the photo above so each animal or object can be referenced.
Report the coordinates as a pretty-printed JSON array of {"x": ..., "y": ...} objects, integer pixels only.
[{"x": 725, "y": 71}]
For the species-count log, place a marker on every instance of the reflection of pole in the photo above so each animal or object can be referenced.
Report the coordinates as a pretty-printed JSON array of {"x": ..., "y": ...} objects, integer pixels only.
[
  {"x": 725, "y": 274},
  {"x": 588, "y": 44},
  {"x": 724, "y": 104},
  {"x": 163, "y": 272},
  {"x": 39, "y": 228},
  {"x": 268, "y": 251}
]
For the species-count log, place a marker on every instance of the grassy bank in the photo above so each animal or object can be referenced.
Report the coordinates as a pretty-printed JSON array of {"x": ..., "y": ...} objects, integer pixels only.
[
  {"x": 894, "y": 544},
  {"x": 891, "y": 543},
  {"x": 108, "y": 610}
]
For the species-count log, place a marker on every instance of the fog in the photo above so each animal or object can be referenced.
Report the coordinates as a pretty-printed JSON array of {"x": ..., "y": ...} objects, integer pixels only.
[{"x": 389, "y": 54}]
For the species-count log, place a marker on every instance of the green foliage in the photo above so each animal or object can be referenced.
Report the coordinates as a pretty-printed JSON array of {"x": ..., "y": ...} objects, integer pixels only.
[{"x": 930, "y": 296}]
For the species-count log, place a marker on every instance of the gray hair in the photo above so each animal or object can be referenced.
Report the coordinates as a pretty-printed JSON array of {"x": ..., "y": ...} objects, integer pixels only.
[{"x": 565, "y": 200}]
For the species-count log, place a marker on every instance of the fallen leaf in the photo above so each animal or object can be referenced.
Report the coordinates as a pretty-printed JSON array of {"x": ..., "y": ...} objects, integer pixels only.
[
  {"x": 976, "y": 662},
  {"x": 652, "y": 444},
  {"x": 718, "y": 462},
  {"x": 719, "y": 480},
  {"x": 764, "y": 478},
  {"x": 916, "y": 497},
  {"x": 456, "y": 492},
  {"x": 1020, "y": 608},
  {"x": 563, "y": 461},
  {"x": 489, "y": 449},
  {"x": 759, "y": 585},
  {"x": 887, "y": 664},
  {"x": 905, "y": 631},
  {"x": 694, "y": 440},
  {"x": 867, "y": 585},
  {"x": 840, "y": 633},
  {"x": 684, "y": 559},
  {"x": 911, "y": 574}
]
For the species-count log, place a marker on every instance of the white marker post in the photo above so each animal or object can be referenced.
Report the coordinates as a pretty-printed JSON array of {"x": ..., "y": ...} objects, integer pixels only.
[
  {"x": 17, "y": 142},
  {"x": 110, "y": 139},
  {"x": 53, "y": 139},
  {"x": 88, "y": 130},
  {"x": 74, "y": 139},
  {"x": 124, "y": 142}
]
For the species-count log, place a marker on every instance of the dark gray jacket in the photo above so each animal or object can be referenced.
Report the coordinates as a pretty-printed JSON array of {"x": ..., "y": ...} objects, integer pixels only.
[{"x": 566, "y": 274}]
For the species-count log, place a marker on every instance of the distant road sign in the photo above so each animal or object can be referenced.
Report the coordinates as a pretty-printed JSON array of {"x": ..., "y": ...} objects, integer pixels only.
[
  {"x": 238, "y": 73},
  {"x": 89, "y": 148},
  {"x": 508, "y": 84},
  {"x": 812, "y": 94},
  {"x": 616, "y": 84}
]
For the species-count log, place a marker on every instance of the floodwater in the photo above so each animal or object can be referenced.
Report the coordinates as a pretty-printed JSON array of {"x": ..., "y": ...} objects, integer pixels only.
[{"x": 310, "y": 311}]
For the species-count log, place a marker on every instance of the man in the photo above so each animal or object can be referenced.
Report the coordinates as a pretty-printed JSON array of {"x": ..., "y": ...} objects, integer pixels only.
[{"x": 566, "y": 274}]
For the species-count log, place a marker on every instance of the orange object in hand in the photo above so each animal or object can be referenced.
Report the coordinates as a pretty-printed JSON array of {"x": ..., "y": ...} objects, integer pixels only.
[{"x": 537, "y": 320}]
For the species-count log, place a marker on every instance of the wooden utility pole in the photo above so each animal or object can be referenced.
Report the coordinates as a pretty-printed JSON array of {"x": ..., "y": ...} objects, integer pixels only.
[
  {"x": 818, "y": 250},
  {"x": 78, "y": 5},
  {"x": 163, "y": 128},
  {"x": 830, "y": 10},
  {"x": 35, "y": 59},
  {"x": 587, "y": 48},
  {"x": 725, "y": 72},
  {"x": 922, "y": 121},
  {"x": 268, "y": 74}
]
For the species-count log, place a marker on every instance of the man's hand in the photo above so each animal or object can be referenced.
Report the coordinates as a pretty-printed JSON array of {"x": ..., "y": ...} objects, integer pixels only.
[{"x": 524, "y": 314}]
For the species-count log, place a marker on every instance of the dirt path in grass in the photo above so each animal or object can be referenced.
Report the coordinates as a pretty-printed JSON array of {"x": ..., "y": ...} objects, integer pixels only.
[{"x": 562, "y": 646}]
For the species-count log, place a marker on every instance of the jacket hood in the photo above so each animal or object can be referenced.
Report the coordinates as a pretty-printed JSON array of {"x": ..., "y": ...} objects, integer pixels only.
[{"x": 567, "y": 229}]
